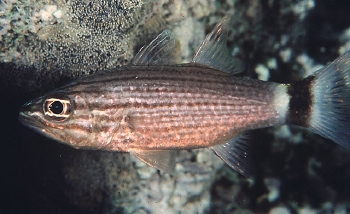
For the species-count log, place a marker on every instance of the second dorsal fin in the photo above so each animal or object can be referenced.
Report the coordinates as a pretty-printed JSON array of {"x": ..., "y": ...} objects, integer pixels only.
[{"x": 213, "y": 52}]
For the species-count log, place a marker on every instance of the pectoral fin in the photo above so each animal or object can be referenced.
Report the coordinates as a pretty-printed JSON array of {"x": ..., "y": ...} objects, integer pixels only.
[
  {"x": 235, "y": 153},
  {"x": 163, "y": 160}
]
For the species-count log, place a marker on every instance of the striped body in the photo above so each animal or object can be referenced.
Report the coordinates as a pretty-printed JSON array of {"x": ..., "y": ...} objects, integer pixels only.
[
  {"x": 154, "y": 107},
  {"x": 163, "y": 107}
]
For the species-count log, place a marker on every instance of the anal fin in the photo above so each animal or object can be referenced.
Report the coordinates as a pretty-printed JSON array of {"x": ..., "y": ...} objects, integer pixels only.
[
  {"x": 235, "y": 153},
  {"x": 163, "y": 160}
]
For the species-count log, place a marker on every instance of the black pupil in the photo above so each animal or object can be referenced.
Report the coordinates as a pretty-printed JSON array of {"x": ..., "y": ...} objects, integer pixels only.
[{"x": 56, "y": 107}]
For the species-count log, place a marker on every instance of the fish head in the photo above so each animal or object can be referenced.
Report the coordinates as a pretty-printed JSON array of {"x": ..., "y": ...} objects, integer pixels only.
[{"x": 54, "y": 115}]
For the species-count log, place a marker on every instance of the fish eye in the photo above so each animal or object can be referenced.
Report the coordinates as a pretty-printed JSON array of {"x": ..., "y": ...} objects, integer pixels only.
[{"x": 57, "y": 108}]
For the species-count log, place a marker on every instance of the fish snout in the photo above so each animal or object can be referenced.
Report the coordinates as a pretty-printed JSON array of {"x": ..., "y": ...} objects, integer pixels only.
[{"x": 27, "y": 113}]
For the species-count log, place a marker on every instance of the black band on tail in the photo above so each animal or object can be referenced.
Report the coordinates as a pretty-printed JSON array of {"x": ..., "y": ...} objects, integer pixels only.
[{"x": 300, "y": 105}]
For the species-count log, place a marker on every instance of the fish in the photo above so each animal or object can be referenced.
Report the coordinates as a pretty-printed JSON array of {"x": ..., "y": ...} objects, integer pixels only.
[{"x": 154, "y": 106}]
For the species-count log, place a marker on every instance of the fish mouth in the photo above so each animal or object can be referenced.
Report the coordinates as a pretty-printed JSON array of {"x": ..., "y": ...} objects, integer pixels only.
[
  {"x": 28, "y": 117},
  {"x": 25, "y": 119},
  {"x": 34, "y": 124},
  {"x": 26, "y": 114},
  {"x": 31, "y": 115}
]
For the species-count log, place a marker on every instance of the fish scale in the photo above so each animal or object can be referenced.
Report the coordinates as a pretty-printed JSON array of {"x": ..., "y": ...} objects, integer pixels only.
[{"x": 171, "y": 107}]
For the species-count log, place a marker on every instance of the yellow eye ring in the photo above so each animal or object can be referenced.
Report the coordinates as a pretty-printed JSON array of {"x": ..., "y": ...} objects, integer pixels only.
[{"x": 57, "y": 108}]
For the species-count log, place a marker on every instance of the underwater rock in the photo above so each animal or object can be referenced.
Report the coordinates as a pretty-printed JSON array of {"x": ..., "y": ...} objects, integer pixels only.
[
  {"x": 65, "y": 30},
  {"x": 54, "y": 39},
  {"x": 101, "y": 182}
]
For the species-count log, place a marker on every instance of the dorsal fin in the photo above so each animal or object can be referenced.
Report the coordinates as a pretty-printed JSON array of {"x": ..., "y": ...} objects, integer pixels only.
[
  {"x": 158, "y": 52},
  {"x": 213, "y": 52}
]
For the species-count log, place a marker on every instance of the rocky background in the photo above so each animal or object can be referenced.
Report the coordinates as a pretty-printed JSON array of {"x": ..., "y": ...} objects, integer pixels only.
[{"x": 44, "y": 44}]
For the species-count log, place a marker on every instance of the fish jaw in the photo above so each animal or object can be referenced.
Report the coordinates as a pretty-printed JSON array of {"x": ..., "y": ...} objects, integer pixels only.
[{"x": 30, "y": 116}]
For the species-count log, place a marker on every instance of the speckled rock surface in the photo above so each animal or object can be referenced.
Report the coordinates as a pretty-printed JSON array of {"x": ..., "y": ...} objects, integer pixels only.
[
  {"x": 282, "y": 41},
  {"x": 58, "y": 39}
]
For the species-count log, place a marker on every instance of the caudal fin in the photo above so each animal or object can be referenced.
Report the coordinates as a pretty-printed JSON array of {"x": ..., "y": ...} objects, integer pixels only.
[{"x": 324, "y": 101}]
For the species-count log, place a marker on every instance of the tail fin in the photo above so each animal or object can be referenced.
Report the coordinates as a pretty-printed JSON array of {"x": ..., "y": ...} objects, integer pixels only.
[{"x": 328, "y": 101}]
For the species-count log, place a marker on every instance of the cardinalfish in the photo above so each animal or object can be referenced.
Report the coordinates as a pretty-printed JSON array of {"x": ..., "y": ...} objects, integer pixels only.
[{"x": 153, "y": 107}]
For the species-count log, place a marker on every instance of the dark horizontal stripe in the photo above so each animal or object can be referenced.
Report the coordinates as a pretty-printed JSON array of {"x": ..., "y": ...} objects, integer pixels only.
[
  {"x": 125, "y": 74},
  {"x": 143, "y": 82},
  {"x": 192, "y": 76},
  {"x": 143, "y": 98},
  {"x": 105, "y": 106}
]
